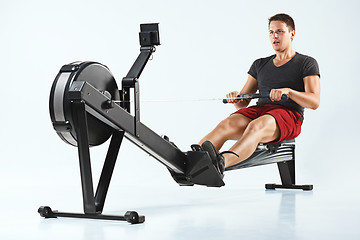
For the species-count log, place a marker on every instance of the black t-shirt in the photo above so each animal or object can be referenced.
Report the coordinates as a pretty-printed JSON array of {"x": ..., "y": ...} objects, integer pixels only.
[{"x": 289, "y": 75}]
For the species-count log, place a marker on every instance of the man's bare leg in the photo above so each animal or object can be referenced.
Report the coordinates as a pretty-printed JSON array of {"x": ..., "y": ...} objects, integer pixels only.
[
  {"x": 263, "y": 129},
  {"x": 231, "y": 128}
]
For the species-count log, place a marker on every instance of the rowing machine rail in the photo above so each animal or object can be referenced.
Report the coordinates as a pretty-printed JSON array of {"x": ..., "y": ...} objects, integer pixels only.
[{"x": 282, "y": 153}]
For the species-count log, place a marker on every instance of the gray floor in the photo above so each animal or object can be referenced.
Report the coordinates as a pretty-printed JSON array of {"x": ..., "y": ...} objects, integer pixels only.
[{"x": 238, "y": 210}]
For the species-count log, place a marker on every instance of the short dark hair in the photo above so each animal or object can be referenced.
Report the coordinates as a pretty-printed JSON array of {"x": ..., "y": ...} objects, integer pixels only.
[{"x": 284, "y": 18}]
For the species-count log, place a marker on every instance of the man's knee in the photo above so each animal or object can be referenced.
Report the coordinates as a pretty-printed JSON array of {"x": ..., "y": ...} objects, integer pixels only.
[
  {"x": 255, "y": 126},
  {"x": 234, "y": 123},
  {"x": 264, "y": 127}
]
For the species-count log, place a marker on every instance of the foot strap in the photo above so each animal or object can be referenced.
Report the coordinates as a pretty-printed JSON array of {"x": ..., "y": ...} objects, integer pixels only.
[
  {"x": 229, "y": 152},
  {"x": 196, "y": 147}
]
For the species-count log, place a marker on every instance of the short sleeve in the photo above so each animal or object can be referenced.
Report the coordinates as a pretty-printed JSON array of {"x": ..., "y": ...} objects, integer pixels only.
[
  {"x": 310, "y": 67},
  {"x": 254, "y": 68}
]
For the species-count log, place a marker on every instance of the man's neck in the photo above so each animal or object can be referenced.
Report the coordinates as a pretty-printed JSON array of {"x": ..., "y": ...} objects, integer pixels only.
[
  {"x": 283, "y": 57},
  {"x": 287, "y": 54}
]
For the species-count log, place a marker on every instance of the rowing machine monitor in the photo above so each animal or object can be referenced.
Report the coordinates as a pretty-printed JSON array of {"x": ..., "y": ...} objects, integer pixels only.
[{"x": 149, "y": 34}]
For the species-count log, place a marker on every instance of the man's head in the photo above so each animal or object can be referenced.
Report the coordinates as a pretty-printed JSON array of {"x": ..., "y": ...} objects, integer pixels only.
[
  {"x": 281, "y": 31},
  {"x": 283, "y": 18}
]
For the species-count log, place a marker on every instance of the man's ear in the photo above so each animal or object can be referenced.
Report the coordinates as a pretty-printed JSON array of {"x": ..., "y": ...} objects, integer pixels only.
[{"x": 292, "y": 34}]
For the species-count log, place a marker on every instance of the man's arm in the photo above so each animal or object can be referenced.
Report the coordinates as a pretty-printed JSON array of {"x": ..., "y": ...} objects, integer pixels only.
[
  {"x": 249, "y": 87},
  {"x": 308, "y": 99}
]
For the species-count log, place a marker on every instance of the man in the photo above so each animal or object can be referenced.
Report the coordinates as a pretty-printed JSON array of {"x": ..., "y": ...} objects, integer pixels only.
[{"x": 271, "y": 120}]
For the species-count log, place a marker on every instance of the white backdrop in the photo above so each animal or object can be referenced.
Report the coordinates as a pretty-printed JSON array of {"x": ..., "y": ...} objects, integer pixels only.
[{"x": 207, "y": 49}]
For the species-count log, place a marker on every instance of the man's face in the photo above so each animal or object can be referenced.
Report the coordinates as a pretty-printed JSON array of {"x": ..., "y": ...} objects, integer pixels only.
[{"x": 280, "y": 36}]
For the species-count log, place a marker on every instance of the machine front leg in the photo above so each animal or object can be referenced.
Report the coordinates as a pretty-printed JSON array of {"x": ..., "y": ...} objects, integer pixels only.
[
  {"x": 80, "y": 120},
  {"x": 108, "y": 169}
]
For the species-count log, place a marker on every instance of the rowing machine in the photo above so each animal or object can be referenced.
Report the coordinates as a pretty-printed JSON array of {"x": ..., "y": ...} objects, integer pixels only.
[{"x": 87, "y": 108}]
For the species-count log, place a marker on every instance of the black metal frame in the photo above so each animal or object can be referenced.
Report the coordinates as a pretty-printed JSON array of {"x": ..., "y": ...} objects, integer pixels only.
[{"x": 86, "y": 99}]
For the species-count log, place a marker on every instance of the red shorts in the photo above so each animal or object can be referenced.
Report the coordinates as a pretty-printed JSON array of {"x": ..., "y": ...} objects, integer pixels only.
[{"x": 288, "y": 121}]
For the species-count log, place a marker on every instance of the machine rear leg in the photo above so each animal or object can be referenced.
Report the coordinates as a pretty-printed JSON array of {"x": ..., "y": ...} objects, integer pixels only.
[{"x": 287, "y": 175}]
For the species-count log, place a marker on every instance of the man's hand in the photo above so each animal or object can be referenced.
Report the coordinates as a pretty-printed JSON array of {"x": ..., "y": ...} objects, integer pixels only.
[
  {"x": 230, "y": 97},
  {"x": 238, "y": 103},
  {"x": 275, "y": 94}
]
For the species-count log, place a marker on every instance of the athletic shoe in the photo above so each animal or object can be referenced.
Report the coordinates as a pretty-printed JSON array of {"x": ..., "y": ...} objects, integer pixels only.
[{"x": 216, "y": 158}]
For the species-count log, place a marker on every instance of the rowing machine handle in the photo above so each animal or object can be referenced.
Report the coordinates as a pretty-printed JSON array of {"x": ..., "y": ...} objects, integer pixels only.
[{"x": 257, "y": 95}]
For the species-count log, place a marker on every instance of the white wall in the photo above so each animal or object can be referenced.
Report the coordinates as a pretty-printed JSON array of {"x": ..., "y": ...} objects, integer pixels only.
[{"x": 207, "y": 49}]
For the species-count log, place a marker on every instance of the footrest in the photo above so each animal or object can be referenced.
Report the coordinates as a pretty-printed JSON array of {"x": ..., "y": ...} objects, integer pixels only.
[
  {"x": 130, "y": 216},
  {"x": 307, "y": 187},
  {"x": 201, "y": 171}
]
